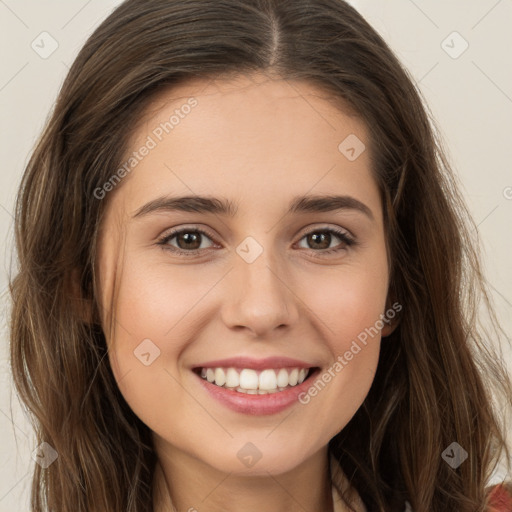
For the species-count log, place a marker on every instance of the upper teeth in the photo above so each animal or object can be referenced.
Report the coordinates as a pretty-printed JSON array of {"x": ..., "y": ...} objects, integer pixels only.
[{"x": 253, "y": 380}]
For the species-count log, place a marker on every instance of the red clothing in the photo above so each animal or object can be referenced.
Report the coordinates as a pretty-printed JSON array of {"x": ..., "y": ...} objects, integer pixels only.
[{"x": 500, "y": 498}]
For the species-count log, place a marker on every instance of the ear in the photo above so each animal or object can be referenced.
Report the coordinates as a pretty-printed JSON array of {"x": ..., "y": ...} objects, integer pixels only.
[
  {"x": 388, "y": 328},
  {"x": 392, "y": 317},
  {"x": 82, "y": 306}
]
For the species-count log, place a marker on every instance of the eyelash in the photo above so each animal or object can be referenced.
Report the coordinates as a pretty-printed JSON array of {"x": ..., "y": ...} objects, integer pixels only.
[{"x": 347, "y": 241}]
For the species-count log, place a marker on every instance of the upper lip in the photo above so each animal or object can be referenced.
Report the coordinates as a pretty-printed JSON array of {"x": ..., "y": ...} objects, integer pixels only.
[{"x": 256, "y": 364}]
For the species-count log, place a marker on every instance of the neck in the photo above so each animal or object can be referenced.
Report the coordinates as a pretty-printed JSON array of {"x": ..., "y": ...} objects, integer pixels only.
[{"x": 197, "y": 486}]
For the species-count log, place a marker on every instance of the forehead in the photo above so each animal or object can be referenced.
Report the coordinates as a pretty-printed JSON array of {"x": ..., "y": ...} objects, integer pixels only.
[
  {"x": 255, "y": 135},
  {"x": 265, "y": 98}
]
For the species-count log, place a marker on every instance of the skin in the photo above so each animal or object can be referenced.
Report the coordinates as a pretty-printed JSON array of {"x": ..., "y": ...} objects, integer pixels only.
[{"x": 258, "y": 142}]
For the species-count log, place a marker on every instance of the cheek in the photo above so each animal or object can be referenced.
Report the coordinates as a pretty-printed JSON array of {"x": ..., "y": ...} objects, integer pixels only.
[
  {"x": 154, "y": 303},
  {"x": 349, "y": 309},
  {"x": 150, "y": 335},
  {"x": 347, "y": 302}
]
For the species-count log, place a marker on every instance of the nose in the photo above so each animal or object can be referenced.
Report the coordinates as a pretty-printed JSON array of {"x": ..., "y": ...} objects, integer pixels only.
[{"x": 260, "y": 299}]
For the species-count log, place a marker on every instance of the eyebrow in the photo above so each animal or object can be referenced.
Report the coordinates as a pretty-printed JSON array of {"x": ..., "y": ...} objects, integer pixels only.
[{"x": 221, "y": 206}]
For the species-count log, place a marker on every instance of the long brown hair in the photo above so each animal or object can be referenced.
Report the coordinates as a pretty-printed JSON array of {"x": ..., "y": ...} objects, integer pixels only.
[{"x": 438, "y": 381}]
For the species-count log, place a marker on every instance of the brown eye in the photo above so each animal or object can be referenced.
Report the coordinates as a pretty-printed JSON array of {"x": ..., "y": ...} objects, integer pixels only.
[
  {"x": 320, "y": 240},
  {"x": 188, "y": 241}
]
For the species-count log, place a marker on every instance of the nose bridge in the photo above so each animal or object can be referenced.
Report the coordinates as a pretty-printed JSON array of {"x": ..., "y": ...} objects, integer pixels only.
[{"x": 257, "y": 266}]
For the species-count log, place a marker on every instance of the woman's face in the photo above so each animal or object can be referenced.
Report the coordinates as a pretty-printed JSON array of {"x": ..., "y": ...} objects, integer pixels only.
[{"x": 263, "y": 291}]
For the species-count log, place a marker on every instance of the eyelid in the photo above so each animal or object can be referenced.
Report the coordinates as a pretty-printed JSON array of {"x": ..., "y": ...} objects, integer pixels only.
[
  {"x": 343, "y": 234},
  {"x": 171, "y": 233},
  {"x": 311, "y": 228}
]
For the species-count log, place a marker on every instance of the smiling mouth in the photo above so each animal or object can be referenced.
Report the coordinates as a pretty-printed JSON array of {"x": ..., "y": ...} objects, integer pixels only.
[{"x": 255, "y": 382}]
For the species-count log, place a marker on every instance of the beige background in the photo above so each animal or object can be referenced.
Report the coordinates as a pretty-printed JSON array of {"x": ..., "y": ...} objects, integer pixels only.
[{"x": 469, "y": 94}]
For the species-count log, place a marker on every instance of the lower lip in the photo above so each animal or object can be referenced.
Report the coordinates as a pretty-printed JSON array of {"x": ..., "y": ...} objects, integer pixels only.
[{"x": 257, "y": 405}]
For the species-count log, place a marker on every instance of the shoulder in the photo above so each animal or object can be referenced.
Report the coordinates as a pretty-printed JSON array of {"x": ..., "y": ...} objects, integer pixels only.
[{"x": 500, "y": 497}]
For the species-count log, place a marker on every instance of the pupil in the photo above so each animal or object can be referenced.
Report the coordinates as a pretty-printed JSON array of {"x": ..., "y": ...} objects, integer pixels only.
[
  {"x": 323, "y": 236},
  {"x": 188, "y": 237}
]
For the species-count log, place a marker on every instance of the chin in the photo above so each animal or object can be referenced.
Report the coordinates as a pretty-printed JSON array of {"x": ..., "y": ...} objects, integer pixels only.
[{"x": 259, "y": 459}]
